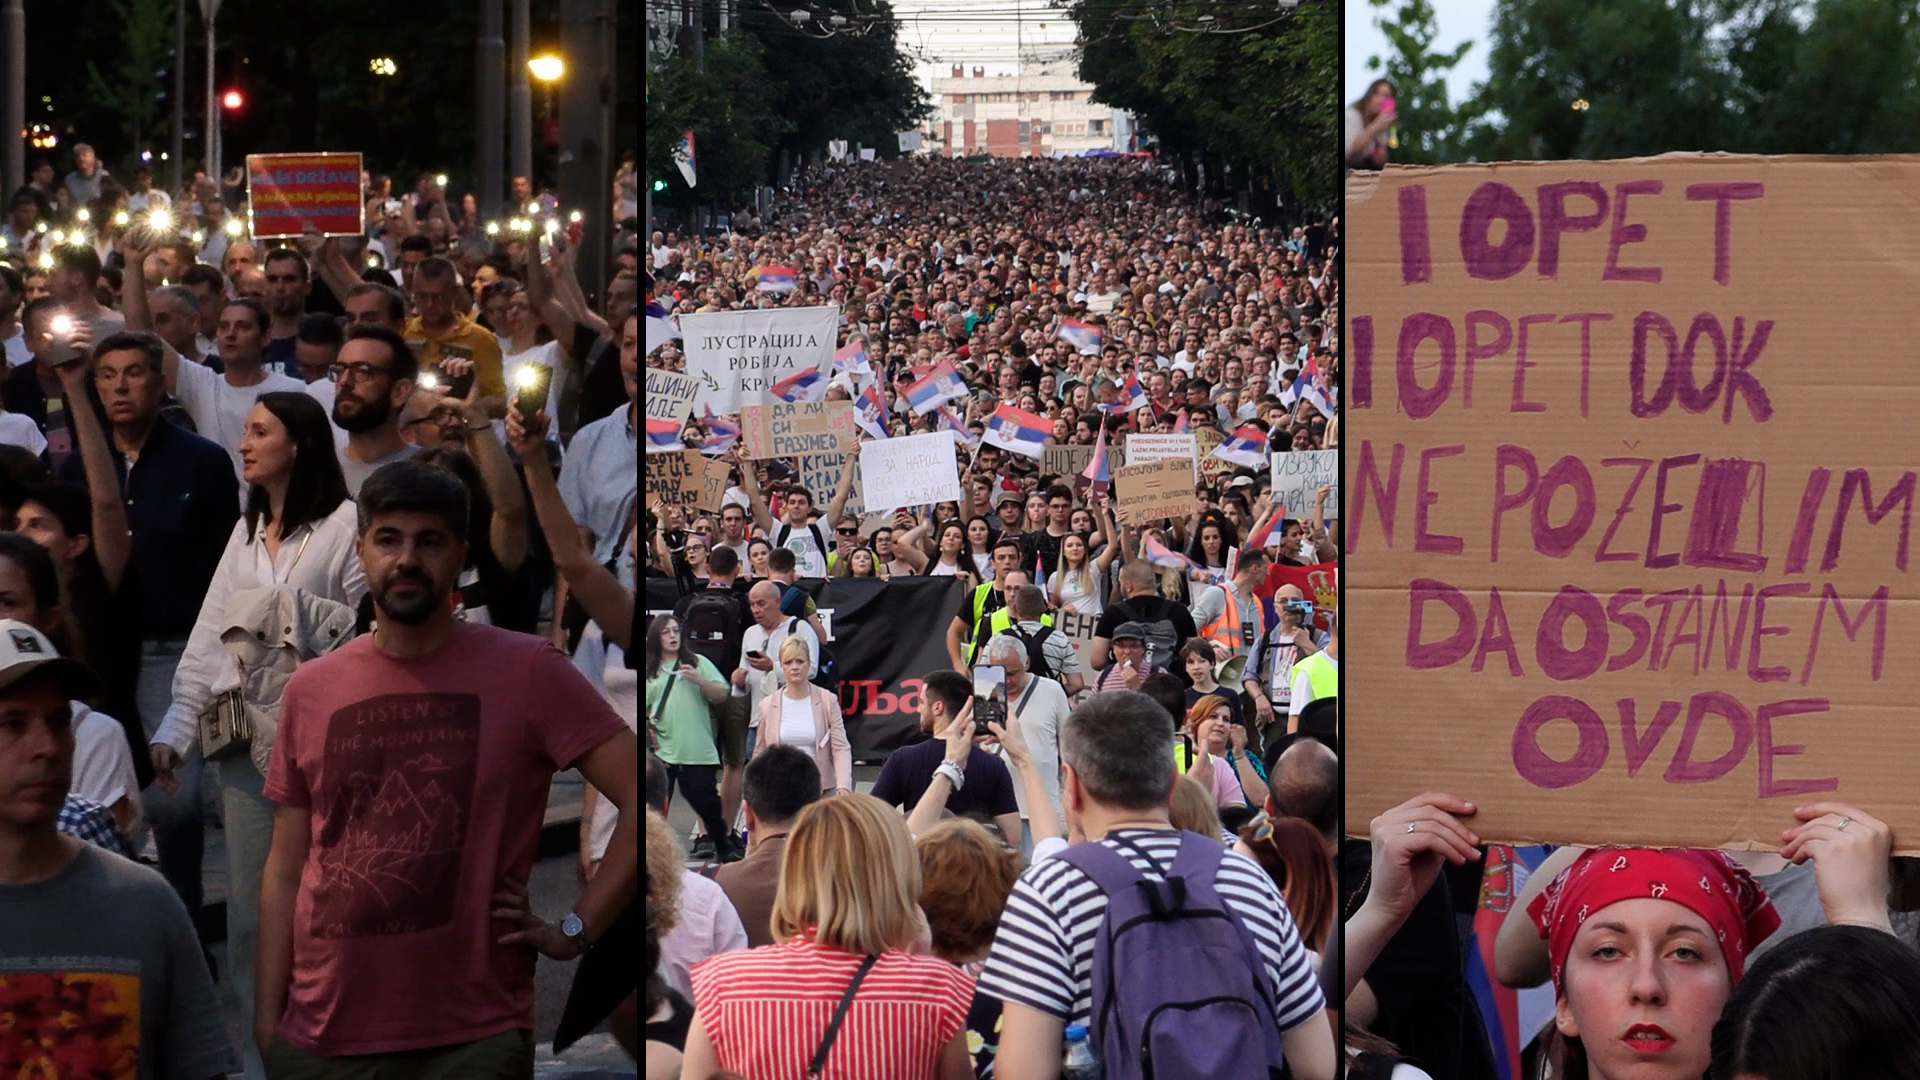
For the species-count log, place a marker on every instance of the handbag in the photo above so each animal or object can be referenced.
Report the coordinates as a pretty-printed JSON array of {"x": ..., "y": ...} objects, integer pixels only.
[
  {"x": 226, "y": 729},
  {"x": 819, "y": 1061},
  {"x": 658, "y": 713}
]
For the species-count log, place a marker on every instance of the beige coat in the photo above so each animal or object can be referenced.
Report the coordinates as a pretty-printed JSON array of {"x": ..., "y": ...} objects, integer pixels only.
[{"x": 830, "y": 749}]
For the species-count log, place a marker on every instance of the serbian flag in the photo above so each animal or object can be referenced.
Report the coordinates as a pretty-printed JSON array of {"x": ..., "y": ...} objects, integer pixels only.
[
  {"x": 1018, "y": 431},
  {"x": 852, "y": 359},
  {"x": 662, "y": 435},
  {"x": 1247, "y": 447},
  {"x": 1132, "y": 396},
  {"x": 962, "y": 434},
  {"x": 774, "y": 278},
  {"x": 938, "y": 386},
  {"x": 1314, "y": 394},
  {"x": 1182, "y": 426},
  {"x": 721, "y": 435},
  {"x": 1097, "y": 473},
  {"x": 1512, "y": 1017},
  {"x": 683, "y": 157},
  {"x": 1084, "y": 337},
  {"x": 1290, "y": 393},
  {"x": 1162, "y": 556},
  {"x": 870, "y": 411},
  {"x": 1264, "y": 536},
  {"x": 803, "y": 385},
  {"x": 660, "y": 329}
]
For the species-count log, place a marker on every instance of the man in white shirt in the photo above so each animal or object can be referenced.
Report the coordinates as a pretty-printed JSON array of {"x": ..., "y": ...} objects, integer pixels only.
[
  {"x": 1040, "y": 707},
  {"x": 759, "y": 673},
  {"x": 219, "y": 403}
]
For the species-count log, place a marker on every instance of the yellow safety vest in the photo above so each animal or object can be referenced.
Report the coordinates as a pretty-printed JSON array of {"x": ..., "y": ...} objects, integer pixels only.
[
  {"x": 997, "y": 622},
  {"x": 1323, "y": 677}
]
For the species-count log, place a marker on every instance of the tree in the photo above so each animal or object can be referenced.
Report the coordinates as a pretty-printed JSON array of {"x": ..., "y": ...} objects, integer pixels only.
[
  {"x": 135, "y": 92},
  {"x": 727, "y": 108},
  {"x": 1429, "y": 127}
]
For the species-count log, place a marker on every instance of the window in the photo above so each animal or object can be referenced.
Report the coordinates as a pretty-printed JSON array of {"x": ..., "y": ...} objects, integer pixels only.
[
  {"x": 1096, "y": 127},
  {"x": 958, "y": 99}
]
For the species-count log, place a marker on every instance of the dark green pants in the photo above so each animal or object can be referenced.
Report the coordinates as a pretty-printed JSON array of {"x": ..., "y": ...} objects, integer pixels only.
[{"x": 507, "y": 1056}]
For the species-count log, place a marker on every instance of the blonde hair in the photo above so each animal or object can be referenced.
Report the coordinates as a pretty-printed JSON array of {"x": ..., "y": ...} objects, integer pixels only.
[
  {"x": 850, "y": 873},
  {"x": 966, "y": 876},
  {"x": 1190, "y": 808},
  {"x": 664, "y": 867},
  {"x": 797, "y": 645}
]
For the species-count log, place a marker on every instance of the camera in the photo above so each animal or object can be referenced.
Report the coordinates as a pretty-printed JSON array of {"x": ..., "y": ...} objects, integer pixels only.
[{"x": 989, "y": 697}]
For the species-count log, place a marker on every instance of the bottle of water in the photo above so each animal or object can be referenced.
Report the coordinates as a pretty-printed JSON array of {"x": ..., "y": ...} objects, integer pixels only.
[{"x": 1079, "y": 1063}]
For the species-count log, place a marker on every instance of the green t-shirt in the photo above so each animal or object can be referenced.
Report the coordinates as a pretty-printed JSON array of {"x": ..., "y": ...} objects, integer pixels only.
[{"x": 684, "y": 723}]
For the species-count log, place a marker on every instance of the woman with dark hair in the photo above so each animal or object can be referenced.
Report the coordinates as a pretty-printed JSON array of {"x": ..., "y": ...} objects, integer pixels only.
[
  {"x": 1831, "y": 1003},
  {"x": 1367, "y": 121},
  {"x": 682, "y": 690},
  {"x": 759, "y": 549},
  {"x": 298, "y": 534}
]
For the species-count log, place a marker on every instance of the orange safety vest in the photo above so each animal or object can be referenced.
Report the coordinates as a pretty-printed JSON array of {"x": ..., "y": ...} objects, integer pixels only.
[{"x": 1225, "y": 628}]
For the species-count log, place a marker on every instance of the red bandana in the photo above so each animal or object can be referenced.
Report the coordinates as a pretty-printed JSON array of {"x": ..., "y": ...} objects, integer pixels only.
[{"x": 1706, "y": 883}]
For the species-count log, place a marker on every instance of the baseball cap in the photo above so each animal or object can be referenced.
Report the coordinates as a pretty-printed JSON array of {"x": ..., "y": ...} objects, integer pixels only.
[
  {"x": 1241, "y": 481},
  {"x": 1005, "y": 496},
  {"x": 25, "y": 651},
  {"x": 1135, "y": 630}
]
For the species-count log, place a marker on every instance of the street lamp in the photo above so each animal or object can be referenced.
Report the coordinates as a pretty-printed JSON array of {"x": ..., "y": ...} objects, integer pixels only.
[
  {"x": 547, "y": 67},
  {"x": 383, "y": 65}
]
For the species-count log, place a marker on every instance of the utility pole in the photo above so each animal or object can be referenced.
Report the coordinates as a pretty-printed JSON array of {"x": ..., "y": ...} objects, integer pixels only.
[
  {"x": 489, "y": 64},
  {"x": 13, "y": 94},
  {"x": 208, "y": 10},
  {"x": 587, "y": 29},
  {"x": 177, "y": 147},
  {"x": 520, "y": 96}
]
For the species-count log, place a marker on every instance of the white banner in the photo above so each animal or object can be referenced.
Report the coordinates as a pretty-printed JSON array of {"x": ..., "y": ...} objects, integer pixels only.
[
  {"x": 909, "y": 470},
  {"x": 1300, "y": 474},
  {"x": 739, "y": 355},
  {"x": 1182, "y": 447}
]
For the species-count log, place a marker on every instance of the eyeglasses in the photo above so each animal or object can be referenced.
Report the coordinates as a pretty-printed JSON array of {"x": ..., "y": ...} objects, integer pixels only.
[
  {"x": 1262, "y": 827},
  {"x": 447, "y": 417},
  {"x": 848, "y": 532},
  {"x": 361, "y": 372}
]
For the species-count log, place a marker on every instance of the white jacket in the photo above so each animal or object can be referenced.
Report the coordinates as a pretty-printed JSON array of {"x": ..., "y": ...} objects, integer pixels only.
[{"x": 327, "y": 568}]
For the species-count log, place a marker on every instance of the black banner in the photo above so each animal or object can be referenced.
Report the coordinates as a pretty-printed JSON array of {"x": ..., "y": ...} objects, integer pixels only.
[{"x": 885, "y": 635}]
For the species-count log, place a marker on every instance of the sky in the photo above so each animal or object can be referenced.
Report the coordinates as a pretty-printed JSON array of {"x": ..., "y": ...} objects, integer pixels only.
[
  {"x": 1457, "y": 21},
  {"x": 990, "y": 34}
]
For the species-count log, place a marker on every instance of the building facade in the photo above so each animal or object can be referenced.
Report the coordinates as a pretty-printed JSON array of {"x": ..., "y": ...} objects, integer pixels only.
[{"x": 1048, "y": 114}]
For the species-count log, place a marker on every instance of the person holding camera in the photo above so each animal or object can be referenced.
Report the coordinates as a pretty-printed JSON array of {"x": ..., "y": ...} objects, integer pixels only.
[
  {"x": 1288, "y": 641},
  {"x": 979, "y": 784}
]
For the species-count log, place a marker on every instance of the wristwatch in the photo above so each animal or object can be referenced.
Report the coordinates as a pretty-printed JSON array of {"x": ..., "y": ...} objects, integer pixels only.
[{"x": 574, "y": 929}]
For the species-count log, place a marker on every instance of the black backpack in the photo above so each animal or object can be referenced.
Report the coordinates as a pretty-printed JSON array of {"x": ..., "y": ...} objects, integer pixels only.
[
  {"x": 819, "y": 539},
  {"x": 1036, "y": 654},
  {"x": 710, "y": 622},
  {"x": 823, "y": 673}
]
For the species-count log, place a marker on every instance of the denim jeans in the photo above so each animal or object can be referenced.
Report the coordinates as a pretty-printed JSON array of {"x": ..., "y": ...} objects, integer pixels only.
[
  {"x": 178, "y": 820},
  {"x": 249, "y": 823}
]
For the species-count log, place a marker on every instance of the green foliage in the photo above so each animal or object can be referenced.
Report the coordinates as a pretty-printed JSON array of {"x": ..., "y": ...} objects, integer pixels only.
[
  {"x": 1430, "y": 127},
  {"x": 727, "y": 108},
  {"x": 1258, "y": 100},
  {"x": 854, "y": 86},
  {"x": 132, "y": 93},
  {"x": 1776, "y": 76}
]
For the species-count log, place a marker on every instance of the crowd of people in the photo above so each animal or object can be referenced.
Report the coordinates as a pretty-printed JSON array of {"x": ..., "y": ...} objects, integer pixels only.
[
  {"x": 296, "y": 546},
  {"x": 942, "y": 920}
]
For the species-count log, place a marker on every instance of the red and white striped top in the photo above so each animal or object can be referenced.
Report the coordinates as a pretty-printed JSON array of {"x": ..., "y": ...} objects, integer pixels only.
[{"x": 765, "y": 1010}]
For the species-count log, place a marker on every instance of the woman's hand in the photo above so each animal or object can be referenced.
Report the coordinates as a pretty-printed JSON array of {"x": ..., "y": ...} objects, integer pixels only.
[
  {"x": 1237, "y": 738},
  {"x": 1850, "y": 849},
  {"x": 1409, "y": 843},
  {"x": 527, "y": 439}
]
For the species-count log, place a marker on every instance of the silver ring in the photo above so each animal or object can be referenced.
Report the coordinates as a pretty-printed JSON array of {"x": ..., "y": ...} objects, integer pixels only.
[
  {"x": 1411, "y": 825},
  {"x": 1844, "y": 822}
]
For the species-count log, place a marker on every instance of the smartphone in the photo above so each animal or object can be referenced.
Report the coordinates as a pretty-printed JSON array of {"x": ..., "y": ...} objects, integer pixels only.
[
  {"x": 989, "y": 697},
  {"x": 1387, "y": 107},
  {"x": 531, "y": 384},
  {"x": 457, "y": 388},
  {"x": 60, "y": 329}
]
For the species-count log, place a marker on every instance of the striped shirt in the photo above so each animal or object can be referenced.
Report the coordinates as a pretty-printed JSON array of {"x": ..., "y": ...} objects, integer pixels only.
[
  {"x": 765, "y": 1010},
  {"x": 1043, "y": 954}
]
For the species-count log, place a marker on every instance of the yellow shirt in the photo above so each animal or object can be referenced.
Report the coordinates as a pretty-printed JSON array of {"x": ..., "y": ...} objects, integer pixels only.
[{"x": 467, "y": 340}]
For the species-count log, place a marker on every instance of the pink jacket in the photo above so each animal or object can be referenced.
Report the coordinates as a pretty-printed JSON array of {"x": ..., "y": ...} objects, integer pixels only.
[{"x": 830, "y": 748}]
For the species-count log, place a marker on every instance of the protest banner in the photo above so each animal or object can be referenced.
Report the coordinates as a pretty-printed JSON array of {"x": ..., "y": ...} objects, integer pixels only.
[
  {"x": 1298, "y": 476},
  {"x": 820, "y": 475},
  {"x": 1577, "y": 611},
  {"x": 1211, "y": 468},
  {"x": 909, "y": 470},
  {"x": 290, "y": 194},
  {"x": 1077, "y": 627},
  {"x": 739, "y": 355},
  {"x": 714, "y": 483},
  {"x": 1181, "y": 447},
  {"x": 882, "y": 643},
  {"x": 676, "y": 479},
  {"x": 670, "y": 396},
  {"x": 804, "y": 427},
  {"x": 1071, "y": 461},
  {"x": 1158, "y": 489}
]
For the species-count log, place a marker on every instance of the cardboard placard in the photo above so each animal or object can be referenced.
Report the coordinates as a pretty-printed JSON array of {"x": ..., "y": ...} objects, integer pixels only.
[
  {"x": 1627, "y": 541},
  {"x": 806, "y": 427},
  {"x": 820, "y": 475},
  {"x": 909, "y": 470},
  {"x": 676, "y": 479},
  {"x": 1077, "y": 627},
  {"x": 670, "y": 395},
  {"x": 289, "y": 194},
  {"x": 1211, "y": 468},
  {"x": 1155, "y": 490},
  {"x": 714, "y": 483},
  {"x": 1298, "y": 476},
  {"x": 1071, "y": 461}
]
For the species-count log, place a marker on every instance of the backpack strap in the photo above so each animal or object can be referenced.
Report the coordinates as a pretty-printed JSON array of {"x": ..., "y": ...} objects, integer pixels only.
[
  {"x": 780, "y": 538},
  {"x": 1109, "y": 869},
  {"x": 819, "y": 541},
  {"x": 819, "y": 1061}
]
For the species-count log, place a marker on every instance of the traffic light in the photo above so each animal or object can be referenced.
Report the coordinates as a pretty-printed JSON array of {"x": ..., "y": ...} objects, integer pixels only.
[
  {"x": 232, "y": 100},
  {"x": 659, "y": 185}
]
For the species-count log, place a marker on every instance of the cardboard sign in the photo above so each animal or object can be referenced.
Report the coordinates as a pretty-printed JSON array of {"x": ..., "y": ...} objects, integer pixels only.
[
  {"x": 1071, "y": 461},
  {"x": 820, "y": 475},
  {"x": 738, "y": 356},
  {"x": 806, "y": 427},
  {"x": 1298, "y": 476},
  {"x": 289, "y": 194},
  {"x": 1077, "y": 628},
  {"x": 1628, "y": 541},
  {"x": 677, "y": 479},
  {"x": 909, "y": 470},
  {"x": 1182, "y": 447},
  {"x": 670, "y": 396},
  {"x": 1158, "y": 489},
  {"x": 713, "y": 485},
  {"x": 1211, "y": 468}
]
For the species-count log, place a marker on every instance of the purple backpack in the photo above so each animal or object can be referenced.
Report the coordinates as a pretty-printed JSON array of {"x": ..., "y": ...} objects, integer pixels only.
[{"x": 1180, "y": 987}]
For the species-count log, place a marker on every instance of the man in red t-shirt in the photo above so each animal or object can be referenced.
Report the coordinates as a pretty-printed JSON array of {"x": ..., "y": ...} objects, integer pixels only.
[{"x": 410, "y": 775}]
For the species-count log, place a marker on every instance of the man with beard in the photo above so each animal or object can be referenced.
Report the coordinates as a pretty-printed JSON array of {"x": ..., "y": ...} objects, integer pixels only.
[
  {"x": 428, "y": 747},
  {"x": 372, "y": 380},
  {"x": 287, "y": 287}
]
